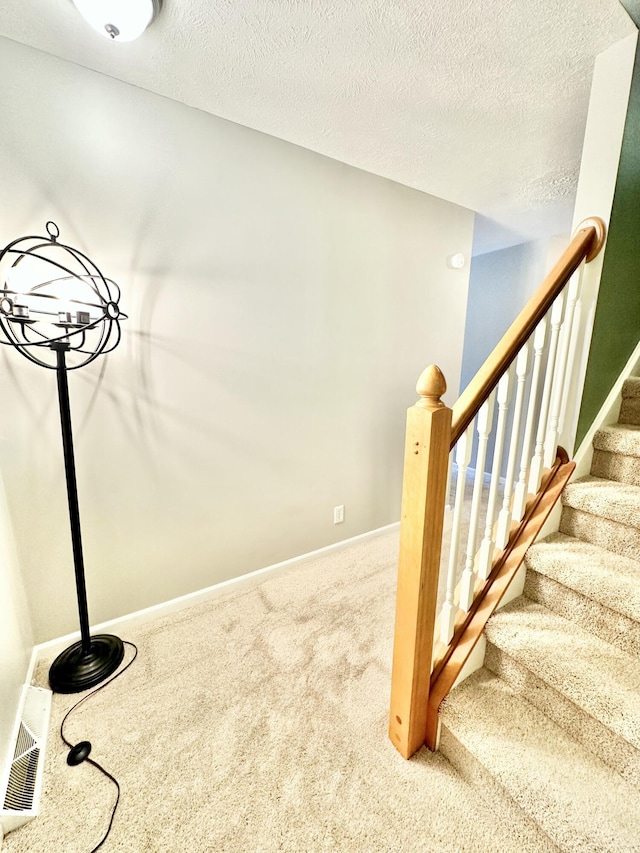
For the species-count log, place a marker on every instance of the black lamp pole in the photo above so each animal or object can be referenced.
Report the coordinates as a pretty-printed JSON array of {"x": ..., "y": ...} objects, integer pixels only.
[
  {"x": 72, "y": 490},
  {"x": 93, "y": 659},
  {"x": 32, "y": 320}
]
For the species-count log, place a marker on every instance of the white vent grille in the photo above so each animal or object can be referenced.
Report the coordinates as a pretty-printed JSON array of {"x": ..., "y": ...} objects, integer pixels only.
[{"x": 22, "y": 784}]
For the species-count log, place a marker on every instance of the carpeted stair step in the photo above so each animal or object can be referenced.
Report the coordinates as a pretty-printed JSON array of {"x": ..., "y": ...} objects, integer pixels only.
[
  {"x": 603, "y": 512},
  {"x": 630, "y": 408},
  {"x": 584, "y": 684},
  {"x": 598, "y": 590},
  {"x": 616, "y": 453},
  {"x": 527, "y": 761}
]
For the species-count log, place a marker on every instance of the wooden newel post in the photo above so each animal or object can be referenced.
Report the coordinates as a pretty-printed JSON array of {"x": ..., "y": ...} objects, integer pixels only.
[{"x": 423, "y": 501}]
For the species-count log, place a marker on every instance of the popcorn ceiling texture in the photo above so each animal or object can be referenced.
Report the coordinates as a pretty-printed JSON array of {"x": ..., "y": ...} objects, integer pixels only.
[{"x": 481, "y": 104}]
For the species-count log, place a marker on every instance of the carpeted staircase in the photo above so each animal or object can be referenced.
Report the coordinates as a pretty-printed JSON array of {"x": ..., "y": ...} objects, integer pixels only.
[{"x": 549, "y": 728}]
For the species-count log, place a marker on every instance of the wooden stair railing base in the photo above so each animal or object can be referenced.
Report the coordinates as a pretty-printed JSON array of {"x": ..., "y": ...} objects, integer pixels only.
[
  {"x": 423, "y": 499},
  {"x": 448, "y": 662}
]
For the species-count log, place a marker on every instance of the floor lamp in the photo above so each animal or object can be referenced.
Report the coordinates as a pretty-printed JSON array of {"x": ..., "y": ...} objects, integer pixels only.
[{"x": 60, "y": 312}]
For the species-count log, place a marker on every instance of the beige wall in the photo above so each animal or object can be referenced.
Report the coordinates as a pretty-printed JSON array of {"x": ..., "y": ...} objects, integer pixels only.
[
  {"x": 16, "y": 639},
  {"x": 605, "y": 180},
  {"x": 282, "y": 306}
]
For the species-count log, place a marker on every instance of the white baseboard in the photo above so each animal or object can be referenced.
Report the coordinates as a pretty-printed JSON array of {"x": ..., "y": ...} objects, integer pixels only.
[
  {"x": 192, "y": 598},
  {"x": 32, "y": 665}
]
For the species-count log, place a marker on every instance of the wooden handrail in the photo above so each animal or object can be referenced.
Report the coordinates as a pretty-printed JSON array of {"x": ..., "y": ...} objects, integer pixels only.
[
  {"x": 585, "y": 245},
  {"x": 432, "y": 430}
]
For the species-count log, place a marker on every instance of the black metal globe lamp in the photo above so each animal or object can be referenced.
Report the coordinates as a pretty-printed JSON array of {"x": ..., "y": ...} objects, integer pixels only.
[{"x": 60, "y": 312}]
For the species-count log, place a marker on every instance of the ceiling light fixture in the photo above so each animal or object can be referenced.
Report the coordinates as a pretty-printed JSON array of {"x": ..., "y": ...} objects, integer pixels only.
[{"x": 119, "y": 20}]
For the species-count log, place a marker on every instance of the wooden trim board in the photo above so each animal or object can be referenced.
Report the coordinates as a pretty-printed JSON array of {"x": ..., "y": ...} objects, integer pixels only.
[{"x": 448, "y": 665}]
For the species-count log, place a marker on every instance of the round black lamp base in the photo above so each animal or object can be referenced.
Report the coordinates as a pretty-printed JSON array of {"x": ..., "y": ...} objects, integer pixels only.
[{"x": 75, "y": 670}]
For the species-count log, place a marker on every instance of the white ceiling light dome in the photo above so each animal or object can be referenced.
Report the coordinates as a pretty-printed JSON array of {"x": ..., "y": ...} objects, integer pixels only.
[{"x": 119, "y": 20}]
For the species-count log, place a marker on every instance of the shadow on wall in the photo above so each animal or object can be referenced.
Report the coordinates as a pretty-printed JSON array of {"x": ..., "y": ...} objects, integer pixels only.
[{"x": 282, "y": 306}]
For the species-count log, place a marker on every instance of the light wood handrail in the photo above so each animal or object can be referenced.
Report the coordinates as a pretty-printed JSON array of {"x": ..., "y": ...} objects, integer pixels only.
[
  {"x": 419, "y": 681},
  {"x": 585, "y": 245}
]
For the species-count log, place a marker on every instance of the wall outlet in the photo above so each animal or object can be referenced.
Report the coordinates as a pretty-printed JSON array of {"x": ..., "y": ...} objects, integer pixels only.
[{"x": 338, "y": 514}]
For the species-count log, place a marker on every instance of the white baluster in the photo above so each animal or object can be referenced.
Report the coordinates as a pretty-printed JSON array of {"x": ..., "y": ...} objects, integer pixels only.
[
  {"x": 449, "y": 478},
  {"x": 448, "y": 613},
  {"x": 535, "y": 474},
  {"x": 485, "y": 557},
  {"x": 569, "y": 397},
  {"x": 504, "y": 519},
  {"x": 483, "y": 425},
  {"x": 560, "y": 373},
  {"x": 520, "y": 496}
]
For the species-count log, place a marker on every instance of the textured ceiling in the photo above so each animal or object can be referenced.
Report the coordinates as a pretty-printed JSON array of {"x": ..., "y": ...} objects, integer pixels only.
[{"x": 481, "y": 102}]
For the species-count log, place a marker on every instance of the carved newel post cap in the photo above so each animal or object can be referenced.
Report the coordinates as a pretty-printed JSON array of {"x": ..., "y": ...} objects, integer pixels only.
[{"x": 431, "y": 386}]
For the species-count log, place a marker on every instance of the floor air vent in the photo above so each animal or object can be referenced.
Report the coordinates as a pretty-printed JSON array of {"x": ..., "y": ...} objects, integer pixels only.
[{"x": 22, "y": 782}]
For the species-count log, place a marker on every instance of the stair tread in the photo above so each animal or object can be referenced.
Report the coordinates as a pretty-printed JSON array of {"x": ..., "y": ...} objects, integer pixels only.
[
  {"x": 618, "y": 438},
  {"x": 631, "y": 387},
  {"x": 576, "y": 799},
  {"x": 597, "y": 677},
  {"x": 602, "y": 576},
  {"x": 607, "y": 498}
]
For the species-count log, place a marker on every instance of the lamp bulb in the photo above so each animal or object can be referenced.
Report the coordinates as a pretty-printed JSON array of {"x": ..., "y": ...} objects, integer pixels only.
[{"x": 118, "y": 20}]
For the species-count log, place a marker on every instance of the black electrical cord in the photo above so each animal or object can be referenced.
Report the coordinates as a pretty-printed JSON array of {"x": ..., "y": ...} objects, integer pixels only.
[{"x": 84, "y": 753}]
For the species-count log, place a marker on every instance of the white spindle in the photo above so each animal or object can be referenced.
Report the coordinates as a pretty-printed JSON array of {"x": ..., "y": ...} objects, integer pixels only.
[
  {"x": 449, "y": 478},
  {"x": 535, "y": 474},
  {"x": 569, "y": 397},
  {"x": 520, "y": 496},
  {"x": 448, "y": 613},
  {"x": 485, "y": 557},
  {"x": 504, "y": 519},
  {"x": 560, "y": 373},
  {"x": 483, "y": 425}
]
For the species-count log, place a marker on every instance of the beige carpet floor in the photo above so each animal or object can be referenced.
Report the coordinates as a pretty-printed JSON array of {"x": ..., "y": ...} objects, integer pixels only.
[{"x": 256, "y": 722}]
